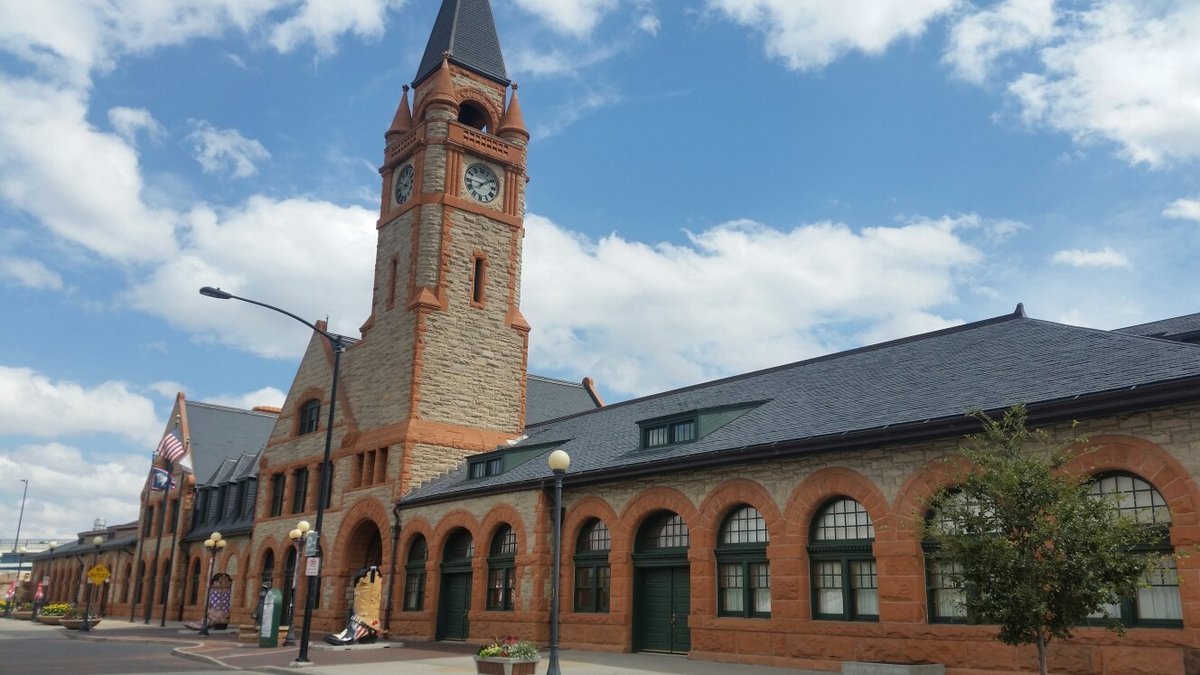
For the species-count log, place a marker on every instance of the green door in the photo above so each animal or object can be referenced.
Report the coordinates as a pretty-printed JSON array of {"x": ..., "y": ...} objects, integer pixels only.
[
  {"x": 664, "y": 600},
  {"x": 452, "y": 610}
]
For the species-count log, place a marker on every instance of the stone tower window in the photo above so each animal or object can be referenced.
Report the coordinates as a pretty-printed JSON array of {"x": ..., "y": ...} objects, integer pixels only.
[{"x": 472, "y": 115}]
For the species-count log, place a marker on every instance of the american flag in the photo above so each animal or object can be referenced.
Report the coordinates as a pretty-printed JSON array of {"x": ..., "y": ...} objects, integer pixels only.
[{"x": 170, "y": 447}]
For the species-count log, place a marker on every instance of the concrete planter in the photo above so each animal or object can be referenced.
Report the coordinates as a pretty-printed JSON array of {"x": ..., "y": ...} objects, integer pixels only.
[
  {"x": 76, "y": 624},
  {"x": 869, "y": 668},
  {"x": 49, "y": 620},
  {"x": 500, "y": 665},
  {"x": 22, "y": 614}
]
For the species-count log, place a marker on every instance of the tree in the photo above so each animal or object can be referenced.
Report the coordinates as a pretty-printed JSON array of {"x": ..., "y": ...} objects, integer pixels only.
[{"x": 1034, "y": 552}]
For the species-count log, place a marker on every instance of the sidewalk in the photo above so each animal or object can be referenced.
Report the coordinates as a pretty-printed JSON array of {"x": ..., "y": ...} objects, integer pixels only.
[{"x": 221, "y": 648}]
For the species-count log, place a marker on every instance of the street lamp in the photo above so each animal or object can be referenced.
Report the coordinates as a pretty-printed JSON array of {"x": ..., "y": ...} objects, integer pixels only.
[
  {"x": 338, "y": 344},
  {"x": 297, "y": 537},
  {"x": 87, "y": 608},
  {"x": 559, "y": 460},
  {"x": 215, "y": 544}
]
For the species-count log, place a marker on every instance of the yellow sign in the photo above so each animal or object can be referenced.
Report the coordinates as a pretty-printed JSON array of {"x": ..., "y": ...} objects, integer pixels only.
[{"x": 98, "y": 574}]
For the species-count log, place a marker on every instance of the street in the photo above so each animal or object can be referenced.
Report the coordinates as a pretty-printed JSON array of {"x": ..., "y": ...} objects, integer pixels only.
[{"x": 28, "y": 648}]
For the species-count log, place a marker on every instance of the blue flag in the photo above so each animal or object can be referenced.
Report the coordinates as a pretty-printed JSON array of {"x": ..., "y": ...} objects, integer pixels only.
[{"x": 161, "y": 480}]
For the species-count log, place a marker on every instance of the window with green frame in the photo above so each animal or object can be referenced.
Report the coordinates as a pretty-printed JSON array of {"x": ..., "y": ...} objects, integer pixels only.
[
  {"x": 414, "y": 575},
  {"x": 1157, "y": 603},
  {"x": 593, "y": 576},
  {"x": 502, "y": 570},
  {"x": 743, "y": 573},
  {"x": 845, "y": 583},
  {"x": 945, "y": 595},
  {"x": 484, "y": 467},
  {"x": 669, "y": 433},
  {"x": 310, "y": 417}
]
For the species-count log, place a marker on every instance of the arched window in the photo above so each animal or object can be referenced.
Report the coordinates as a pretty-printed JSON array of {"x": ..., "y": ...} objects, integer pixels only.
[
  {"x": 472, "y": 115},
  {"x": 194, "y": 593},
  {"x": 666, "y": 530},
  {"x": 268, "y": 568},
  {"x": 141, "y": 578},
  {"x": 310, "y": 416},
  {"x": 502, "y": 570},
  {"x": 164, "y": 585},
  {"x": 1157, "y": 603},
  {"x": 844, "y": 580},
  {"x": 943, "y": 577},
  {"x": 414, "y": 575},
  {"x": 743, "y": 574},
  {"x": 593, "y": 577}
]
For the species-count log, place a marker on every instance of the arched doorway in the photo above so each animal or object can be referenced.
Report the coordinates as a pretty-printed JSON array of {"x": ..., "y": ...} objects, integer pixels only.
[
  {"x": 662, "y": 586},
  {"x": 455, "y": 597}
]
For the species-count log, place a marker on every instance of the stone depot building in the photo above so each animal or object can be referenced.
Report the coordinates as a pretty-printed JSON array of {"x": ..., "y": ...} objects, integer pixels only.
[{"x": 772, "y": 517}]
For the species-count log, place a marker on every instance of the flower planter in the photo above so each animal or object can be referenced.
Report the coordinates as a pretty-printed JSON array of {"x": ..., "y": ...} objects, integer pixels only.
[
  {"x": 869, "y": 668},
  {"x": 500, "y": 665},
  {"x": 76, "y": 624},
  {"x": 49, "y": 620},
  {"x": 22, "y": 614}
]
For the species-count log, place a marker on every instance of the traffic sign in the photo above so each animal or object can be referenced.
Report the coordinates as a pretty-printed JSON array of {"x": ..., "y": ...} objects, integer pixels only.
[
  {"x": 312, "y": 567},
  {"x": 98, "y": 574}
]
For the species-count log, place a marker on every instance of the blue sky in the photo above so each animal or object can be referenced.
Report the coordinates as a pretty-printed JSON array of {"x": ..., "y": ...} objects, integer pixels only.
[{"x": 717, "y": 186}]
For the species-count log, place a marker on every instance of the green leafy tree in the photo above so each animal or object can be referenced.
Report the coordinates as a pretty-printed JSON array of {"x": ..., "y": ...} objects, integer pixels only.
[{"x": 1036, "y": 553}]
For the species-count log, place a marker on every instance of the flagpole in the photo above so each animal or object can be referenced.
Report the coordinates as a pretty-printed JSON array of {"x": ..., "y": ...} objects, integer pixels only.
[{"x": 162, "y": 519}]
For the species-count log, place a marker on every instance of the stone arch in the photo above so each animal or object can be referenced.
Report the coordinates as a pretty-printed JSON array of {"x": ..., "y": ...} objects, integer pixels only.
[
  {"x": 813, "y": 492},
  {"x": 729, "y": 494},
  {"x": 912, "y": 500},
  {"x": 458, "y": 518},
  {"x": 1155, "y": 465},
  {"x": 579, "y": 514},
  {"x": 503, "y": 514},
  {"x": 346, "y": 554},
  {"x": 645, "y": 503}
]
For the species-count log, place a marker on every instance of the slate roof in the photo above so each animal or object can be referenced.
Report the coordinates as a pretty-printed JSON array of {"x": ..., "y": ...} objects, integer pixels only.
[
  {"x": 1184, "y": 328},
  {"x": 219, "y": 434},
  {"x": 466, "y": 29},
  {"x": 547, "y": 399},
  {"x": 896, "y": 390}
]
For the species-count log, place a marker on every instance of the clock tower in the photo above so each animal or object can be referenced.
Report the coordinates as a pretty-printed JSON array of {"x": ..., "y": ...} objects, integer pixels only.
[{"x": 445, "y": 306}]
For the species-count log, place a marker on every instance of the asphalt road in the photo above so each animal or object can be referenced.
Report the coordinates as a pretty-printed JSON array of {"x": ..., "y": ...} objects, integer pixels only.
[{"x": 31, "y": 649}]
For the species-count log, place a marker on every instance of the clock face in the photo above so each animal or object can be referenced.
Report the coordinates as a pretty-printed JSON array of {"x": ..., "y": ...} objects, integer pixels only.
[
  {"x": 404, "y": 183},
  {"x": 482, "y": 183}
]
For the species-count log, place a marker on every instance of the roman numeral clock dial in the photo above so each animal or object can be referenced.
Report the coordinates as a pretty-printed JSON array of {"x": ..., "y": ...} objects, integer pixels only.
[
  {"x": 404, "y": 183},
  {"x": 482, "y": 183}
]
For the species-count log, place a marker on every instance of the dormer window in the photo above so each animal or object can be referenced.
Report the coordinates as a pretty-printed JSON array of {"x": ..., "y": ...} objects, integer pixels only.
[
  {"x": 488, "y": 466},
  {"x": 669, "y": 433}
]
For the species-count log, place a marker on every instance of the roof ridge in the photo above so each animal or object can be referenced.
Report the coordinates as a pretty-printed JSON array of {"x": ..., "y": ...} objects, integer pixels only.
[
  {"x": 220, "y": 406},
  {"x": 555, "y": 380},
  {"x": 1019, "y": 314}
]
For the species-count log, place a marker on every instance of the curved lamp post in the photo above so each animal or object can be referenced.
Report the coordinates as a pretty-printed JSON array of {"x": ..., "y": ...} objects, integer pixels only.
[
  {"x": 559, "y": 460},
  {"x": 215, "y": 544},
  {"x": 338, "y": 344},
  {"x": 87, "y": 609},
  {"x": 297, "y": 537}
]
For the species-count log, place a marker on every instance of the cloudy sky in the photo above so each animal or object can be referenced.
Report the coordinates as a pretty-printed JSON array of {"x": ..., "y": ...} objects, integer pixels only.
[{"x": 717, "y": 186}]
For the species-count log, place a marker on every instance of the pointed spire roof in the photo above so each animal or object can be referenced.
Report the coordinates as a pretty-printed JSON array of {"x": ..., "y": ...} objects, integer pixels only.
[
  {"x": 513, "y": 120},
  {"x": 465, "y": 29},
  {"x": 402, "y": 122}
]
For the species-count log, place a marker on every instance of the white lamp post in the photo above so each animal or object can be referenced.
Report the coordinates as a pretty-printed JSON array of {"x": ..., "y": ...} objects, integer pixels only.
[
  {"x": 87, "y": 609},
  {"x": 297, "y": 537},
  {"x": 215, "y": 544},
  {"x": 559, "y": 460}
]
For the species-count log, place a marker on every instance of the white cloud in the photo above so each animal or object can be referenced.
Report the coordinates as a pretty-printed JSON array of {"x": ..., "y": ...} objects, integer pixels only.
[
  {"x": 300, "y": 254},
  {"x": 129, "y": 121},
  {"x": 324, "y": 21},
  {"x": 268, "y": 396},
  {"x": 33, "y": 405},
  {"x": 576, "y": 17},
  {"x": 649, "y": 24},
  {"x": 1184, "y": 209},
  {"x": 1126, "y": 72},
  {"x": 30, "y": 273},
  {"x": 96, "y": 203},
  {"x": 68, "y": 488},
  {"x": 978, "y": 40},
  {"x": 1105, "y": 257},
  {"x": 667, "y": 315},
  {"x": 573, "y": 111},
  {"x": 810, "y": 34},
  {"x": 220, "y": 150}
]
